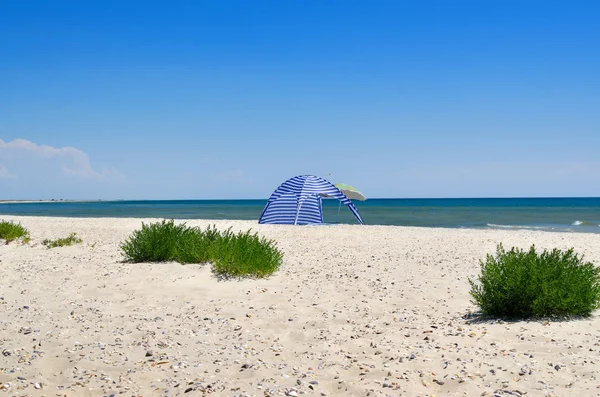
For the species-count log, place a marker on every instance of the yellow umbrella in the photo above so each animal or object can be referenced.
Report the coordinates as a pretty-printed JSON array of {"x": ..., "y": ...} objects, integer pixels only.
[{"x": 351, "y": 192}]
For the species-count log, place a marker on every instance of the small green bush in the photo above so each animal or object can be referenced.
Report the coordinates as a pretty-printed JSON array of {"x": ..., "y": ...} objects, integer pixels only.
[
  {"x": 11, "y": 231},
  {"x": 61, "y": 242},
  {"x": 233, "y": 255},
  {"x": 199, "y": 246},
  {"x": 246, "y": 255},
  {"x": 161, "y": 242},
  {"x": 520, "y": 284}
]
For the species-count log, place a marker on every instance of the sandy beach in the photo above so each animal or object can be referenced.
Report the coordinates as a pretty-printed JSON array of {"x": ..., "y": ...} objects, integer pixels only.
[{"x": 354, "y": 311}]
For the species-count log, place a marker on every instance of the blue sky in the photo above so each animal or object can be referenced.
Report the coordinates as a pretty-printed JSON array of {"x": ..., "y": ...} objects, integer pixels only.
[{"x": 226, "y": 99}]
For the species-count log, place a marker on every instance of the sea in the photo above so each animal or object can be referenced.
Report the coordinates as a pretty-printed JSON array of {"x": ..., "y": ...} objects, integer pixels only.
[{"x": 547, "y": 214}]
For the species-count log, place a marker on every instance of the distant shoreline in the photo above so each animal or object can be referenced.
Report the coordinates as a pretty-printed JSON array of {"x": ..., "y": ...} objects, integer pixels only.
[{"x": 49, "y": 201}]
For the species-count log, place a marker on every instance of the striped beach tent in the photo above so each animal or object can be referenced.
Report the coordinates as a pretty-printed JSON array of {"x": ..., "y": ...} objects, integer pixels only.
[{"x": 298, "y": 201}]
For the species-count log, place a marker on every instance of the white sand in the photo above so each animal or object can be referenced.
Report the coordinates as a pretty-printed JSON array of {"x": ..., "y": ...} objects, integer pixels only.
[{"x": 355, "y": 310}]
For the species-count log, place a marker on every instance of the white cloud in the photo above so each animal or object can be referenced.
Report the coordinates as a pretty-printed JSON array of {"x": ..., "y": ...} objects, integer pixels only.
[
  {"x": 4, "y": 174},
  {"x": 22, "y": 156}
]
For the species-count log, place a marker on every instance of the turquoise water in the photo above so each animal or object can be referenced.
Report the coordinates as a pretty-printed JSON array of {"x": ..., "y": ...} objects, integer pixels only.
[{"x": 552, "y": 214}]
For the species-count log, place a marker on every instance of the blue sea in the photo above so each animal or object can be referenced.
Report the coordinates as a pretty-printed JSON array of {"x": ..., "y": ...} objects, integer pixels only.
[{"x": 550, "y": 214}]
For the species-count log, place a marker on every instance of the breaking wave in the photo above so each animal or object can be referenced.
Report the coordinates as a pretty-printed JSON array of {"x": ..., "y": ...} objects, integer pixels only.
[
  {"x": 574, "y": 227},
  {"x": 492, "y": 225},
  {"x": 579, "y": 223}
]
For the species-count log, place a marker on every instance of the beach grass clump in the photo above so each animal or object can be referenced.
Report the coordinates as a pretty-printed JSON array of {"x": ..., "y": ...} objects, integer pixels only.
[
  {"x": 199, "y": 247},
  {"x": 234, "y": 255},
  {"x": 527, "y": 284},
  {"x": 10, "y": 231},
  {"x": 63, "y": 242},
  {"x": 163, "y": 242},
  {"x": 245, "y": 254}
]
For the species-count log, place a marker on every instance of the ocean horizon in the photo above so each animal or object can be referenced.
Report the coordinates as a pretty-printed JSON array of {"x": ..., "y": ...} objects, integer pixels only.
[{"x": 566, "y": 214}]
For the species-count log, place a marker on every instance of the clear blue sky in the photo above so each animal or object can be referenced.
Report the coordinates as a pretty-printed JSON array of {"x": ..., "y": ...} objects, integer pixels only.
[{"x": 227, "y": 99}]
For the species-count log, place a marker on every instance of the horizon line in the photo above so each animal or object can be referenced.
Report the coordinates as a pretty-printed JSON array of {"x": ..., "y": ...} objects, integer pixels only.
[{"x": 16, "y": 201}]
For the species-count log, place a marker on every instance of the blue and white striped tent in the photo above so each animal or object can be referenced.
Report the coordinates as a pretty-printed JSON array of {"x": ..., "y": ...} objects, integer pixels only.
[{"x": 297, "y": 201}]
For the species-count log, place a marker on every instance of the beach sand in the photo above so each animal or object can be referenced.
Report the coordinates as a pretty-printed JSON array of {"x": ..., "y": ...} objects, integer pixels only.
[{"x": 354, "y": 311}]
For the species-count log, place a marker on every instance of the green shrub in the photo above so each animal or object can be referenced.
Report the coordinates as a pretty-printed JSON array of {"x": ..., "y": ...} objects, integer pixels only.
[
  {"x": 199, "y": 247},
  {"x": 163, "y": 242},
  {"x": 233, "y": 255},
  {"x": 11, "y": 231},
  {"x": 61, "y": 242},
  {"x": 520, "y": 284},
  {"x": 246, "y": 255}
]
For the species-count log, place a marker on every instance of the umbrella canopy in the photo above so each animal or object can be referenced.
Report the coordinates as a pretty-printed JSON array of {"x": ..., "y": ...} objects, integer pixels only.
[{"x": 351, "y": 192}]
